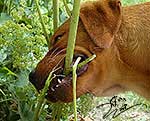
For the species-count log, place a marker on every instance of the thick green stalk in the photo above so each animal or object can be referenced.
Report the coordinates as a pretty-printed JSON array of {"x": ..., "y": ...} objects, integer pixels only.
[
  {"x": 74, "y": 78},
  {"x": 42, "y": 97},
  {"x": 55, "y": 14},
  {"x": 42, "y": 23},
  {"x": 72, "y": 35}
]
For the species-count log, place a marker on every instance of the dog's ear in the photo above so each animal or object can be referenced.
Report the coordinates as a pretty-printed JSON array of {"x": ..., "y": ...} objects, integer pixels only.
[{"x": 101, "y": 19}]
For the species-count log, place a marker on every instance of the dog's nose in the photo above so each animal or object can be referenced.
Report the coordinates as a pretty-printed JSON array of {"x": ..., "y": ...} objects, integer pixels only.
[{"x": 32, "y": 77}]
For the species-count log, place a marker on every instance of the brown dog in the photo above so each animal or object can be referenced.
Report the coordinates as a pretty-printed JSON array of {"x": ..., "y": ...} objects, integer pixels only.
[{"x": 119, "y": 36}]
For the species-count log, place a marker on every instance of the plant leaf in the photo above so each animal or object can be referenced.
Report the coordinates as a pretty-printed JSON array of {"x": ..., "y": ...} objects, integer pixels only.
[{"x": 3, "y": 18}]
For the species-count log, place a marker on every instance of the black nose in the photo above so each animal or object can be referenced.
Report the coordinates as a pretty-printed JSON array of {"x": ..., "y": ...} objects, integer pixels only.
[{"x": 32, "y": 77}]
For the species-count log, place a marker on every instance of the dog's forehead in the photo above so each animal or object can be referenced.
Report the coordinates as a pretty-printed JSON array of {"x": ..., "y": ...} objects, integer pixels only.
[{"x": 63, "y": 28}]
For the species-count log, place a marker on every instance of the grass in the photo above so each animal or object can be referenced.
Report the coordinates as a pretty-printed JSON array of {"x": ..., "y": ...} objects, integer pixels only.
[
  {"x": 139, "y": 113},
  {"x": 74, "y": 76}
]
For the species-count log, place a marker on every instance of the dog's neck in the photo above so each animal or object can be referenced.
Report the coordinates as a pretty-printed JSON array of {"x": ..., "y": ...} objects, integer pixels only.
[
  {"x": 133, "y": 45},
  {"x": 123, "y": 76},
  {"x": 130, "y": 79},
  {"x": 133, "y": 37}
]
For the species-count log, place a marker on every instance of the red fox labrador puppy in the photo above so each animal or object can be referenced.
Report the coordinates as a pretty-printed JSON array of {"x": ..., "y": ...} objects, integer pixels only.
[{"x": 120, "y": 38}]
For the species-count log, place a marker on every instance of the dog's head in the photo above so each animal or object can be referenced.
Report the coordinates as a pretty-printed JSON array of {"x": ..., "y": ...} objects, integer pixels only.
[{"x": 99, "y": 21}]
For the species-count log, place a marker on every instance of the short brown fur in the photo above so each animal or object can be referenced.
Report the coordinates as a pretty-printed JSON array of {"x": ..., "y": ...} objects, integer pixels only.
[{"x": 119, "y": 36}]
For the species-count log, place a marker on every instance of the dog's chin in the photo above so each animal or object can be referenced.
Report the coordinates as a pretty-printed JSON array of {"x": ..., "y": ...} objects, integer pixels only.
[{"x": 60, "y": 89}]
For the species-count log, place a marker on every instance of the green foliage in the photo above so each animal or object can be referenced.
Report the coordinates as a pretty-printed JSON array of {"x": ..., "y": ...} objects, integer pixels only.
[
  {"x": 16, "y": 43},
  {"x": 130, "y": 2},
  {"x": 3, "y": 18},
  {"x": 22, "y": 45}
]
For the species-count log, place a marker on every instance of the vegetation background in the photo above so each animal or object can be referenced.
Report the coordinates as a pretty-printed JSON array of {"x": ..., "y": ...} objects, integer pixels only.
[{"x": 22, "y": 46}]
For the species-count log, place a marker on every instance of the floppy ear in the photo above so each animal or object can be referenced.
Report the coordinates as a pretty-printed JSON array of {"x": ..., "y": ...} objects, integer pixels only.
[{"x": 101, "y": 20}]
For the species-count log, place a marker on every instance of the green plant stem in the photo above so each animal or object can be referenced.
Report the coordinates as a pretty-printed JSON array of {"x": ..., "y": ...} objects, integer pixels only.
[
  {"x": 74, "y": 75},
  {"x": 42, "y": 23},
  {"x": 67, "y": 8},
  {"x": 9, "y": 7},
  {"x": 55, "y": 14},
  {"x": 42, "y": 97},
  {"x": 72, "y": 36},
  {"x": 42, "y": 107},
  {"x": 9, "y": 72},
  {"x": 86, "y": 61},
  {"x": 4, "y": 7},
  {"x": 5, "y": 100}
]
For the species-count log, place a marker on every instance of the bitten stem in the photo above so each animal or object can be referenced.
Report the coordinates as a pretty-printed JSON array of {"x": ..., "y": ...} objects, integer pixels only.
[{"x": 74, "y": 75}]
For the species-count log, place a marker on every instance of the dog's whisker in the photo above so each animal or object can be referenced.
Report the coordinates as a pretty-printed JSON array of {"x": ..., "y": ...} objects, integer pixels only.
[
  {"x": 58, "y": 53},
  {"x": 59, "y": 62},
  {"x": 59, "y": 75},
  {"x": 56, "y": 69},
  {"x": 54, "y": 51}
]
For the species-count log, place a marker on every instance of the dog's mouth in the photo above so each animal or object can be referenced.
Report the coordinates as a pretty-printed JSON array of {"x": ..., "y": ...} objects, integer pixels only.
[{"x": 61, "y": 85}]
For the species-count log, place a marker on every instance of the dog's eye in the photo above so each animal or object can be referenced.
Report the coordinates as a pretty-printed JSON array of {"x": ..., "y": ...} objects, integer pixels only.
[{"x": 58, "y": 37}]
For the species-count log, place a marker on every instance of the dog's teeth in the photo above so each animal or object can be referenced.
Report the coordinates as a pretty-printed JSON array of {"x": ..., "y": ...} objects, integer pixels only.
[
  {"x": 52, "y": 89},
  {"x": 59, "y": 81}
]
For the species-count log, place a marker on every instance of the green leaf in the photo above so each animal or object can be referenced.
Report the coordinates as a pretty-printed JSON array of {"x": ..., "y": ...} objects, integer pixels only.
[
  {"x": 3, "y": 55},
  {"x": 24, "y": 110},
  {"x": 7, "y": 71},
  {"x": 3, "y": 18},
  {"x": 22, "y": 79},
  {"x": 20, "y": 93}
]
